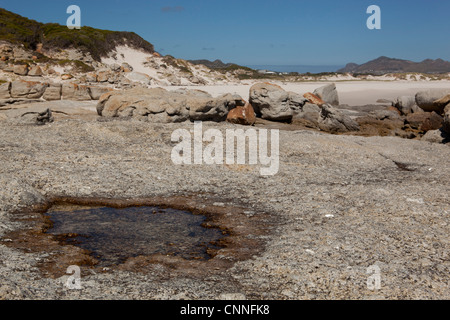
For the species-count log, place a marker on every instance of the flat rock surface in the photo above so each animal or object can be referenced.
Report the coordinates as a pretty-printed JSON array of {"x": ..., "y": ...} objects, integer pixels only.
[{"x": 340, "y": 204}]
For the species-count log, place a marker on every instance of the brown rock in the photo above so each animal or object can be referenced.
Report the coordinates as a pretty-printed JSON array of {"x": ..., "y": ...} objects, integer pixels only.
[
  {"x": 97, "y": 92},
  {"x": 443, "y": 103},
  {"x": 4, "y": 58},
  {"x": 424, "y": 121},
  {"x": 21, "y": 69},
  {"x": 103, "y": 76},
  {"x": 394, "y": 109},
  {"x": 27, "y": 89},
  {"x": 242, "y": 115},
  {"x": 35, "y": 71},
  {"x": 433, "y": 122},
  {"x": 72, "y": 91},
  {"x": 53, "y": 92},
  {"x": 66, "y": 76},
  {"x": 314, "y": 99},
  {"x": 4, "y": 90}
]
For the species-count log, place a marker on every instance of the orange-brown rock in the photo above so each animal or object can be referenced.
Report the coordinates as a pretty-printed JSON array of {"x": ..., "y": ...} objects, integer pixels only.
[
  {"x": 242, "y": 115},
  {"x": 314, "y": 99},
  {"x": 66, "y": 76}
]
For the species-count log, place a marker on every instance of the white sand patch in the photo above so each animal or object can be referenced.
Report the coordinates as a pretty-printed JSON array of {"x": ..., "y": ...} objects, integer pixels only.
[{"x": 134, "y": 58}]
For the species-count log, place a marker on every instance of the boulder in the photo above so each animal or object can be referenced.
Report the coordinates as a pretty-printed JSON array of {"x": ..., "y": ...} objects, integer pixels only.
[
  {"x": 66, "y": 76},
  {"x": 27, "y": 89},
  {"x": 312, "y": 98},
  {"x": 139, "y": 77},
  {"x": 436, "y": 136},
  {"x": 432, "y": 122},
  {"x": 115, "y": 67},
  {"x": 271, "y": 102},
  {"x": 447, "y": 108},
  {"x": 328, "y": 93},
  {"x": 125, "y": 67},
  {"x": 424, "y": 121},
  {"x": 443, "y": 102},
  {"x": 385, "y": 114},
  {"x": 308, "y": 115},
  {"x": 405, "y": 104},
  {"x": 446, "y": 122},
  {"x": 91, "y": 77},
  {"x": 160, "y": 105},
  {"x": 72, "y": 91},
  {"x": 35, "y": 71},
  {"x": 53, "y": 92},
  {"x": 334, "y": 121},
  {"x": 21, "y": 69},
  {"x": 427, "y": 100},
  {"x": 242, "y": 115},
  {"x": 96, "y": 92},
  {"x": 5, "y": 90},
  {"x": 103, "y": 76},
  {"x": 44, "y": 117}
]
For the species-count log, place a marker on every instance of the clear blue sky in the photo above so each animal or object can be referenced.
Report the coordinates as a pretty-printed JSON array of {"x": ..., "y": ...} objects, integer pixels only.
[{"x": 284, "y": 32}]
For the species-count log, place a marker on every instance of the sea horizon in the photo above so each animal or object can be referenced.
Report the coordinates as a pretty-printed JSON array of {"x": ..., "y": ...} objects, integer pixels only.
[{"x": 298, "y": 68}]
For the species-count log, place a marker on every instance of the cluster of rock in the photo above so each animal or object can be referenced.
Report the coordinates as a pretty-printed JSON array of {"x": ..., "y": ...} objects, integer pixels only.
[
  {"x": 428, "y": 113},
  {"x": 22, "y": 90},
  {"x": 163, "y": 106},
  {"x": 267, "y": 101},
  {"x": 316, "y": 110}
]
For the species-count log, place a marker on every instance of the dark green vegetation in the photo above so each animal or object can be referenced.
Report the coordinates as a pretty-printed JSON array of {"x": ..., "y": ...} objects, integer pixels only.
[{"x": 17, "y": 29}]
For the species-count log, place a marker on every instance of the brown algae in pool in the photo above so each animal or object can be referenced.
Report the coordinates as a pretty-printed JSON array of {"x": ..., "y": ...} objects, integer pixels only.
[{"x": 113, "y": 235}]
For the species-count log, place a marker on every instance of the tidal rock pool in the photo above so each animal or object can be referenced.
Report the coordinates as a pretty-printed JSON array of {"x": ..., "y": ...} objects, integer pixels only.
[{"x": 114, "y": 235}]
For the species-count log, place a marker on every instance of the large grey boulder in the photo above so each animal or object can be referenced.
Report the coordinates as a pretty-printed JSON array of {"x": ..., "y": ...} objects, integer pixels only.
[
  {"x": 271, "y": 102},
  {"x": 427, "y": 100},
  {"x": 4, "y": 90},
  {"x": 308, "y": 115},
  {"x": 406, "y": 105},
  {"x": 334, "y": 121},
  {"x": 160, "y": 105},
  {"x": 27, "y": 89},
  {"x": 328, "y": 93}
]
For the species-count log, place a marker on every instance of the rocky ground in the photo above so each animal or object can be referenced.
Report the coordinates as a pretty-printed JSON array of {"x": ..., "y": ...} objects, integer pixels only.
[{"x": 338, "y": 205}]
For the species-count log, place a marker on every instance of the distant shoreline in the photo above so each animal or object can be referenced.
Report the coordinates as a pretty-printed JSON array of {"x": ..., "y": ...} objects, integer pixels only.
[{"x": 297, "y": 68}]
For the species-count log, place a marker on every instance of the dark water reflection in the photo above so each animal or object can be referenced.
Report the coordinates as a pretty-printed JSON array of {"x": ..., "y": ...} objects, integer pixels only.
[{"x": 113, "y": 235}]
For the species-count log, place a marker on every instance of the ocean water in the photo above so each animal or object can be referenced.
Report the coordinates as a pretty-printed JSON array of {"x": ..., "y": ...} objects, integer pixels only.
[{"x": 297, "y": 68}]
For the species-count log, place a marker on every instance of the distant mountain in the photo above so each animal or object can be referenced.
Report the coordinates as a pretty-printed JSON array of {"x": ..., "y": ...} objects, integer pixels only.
[
  {"x": 99, "y": 43},
  {"x": 384, "y": 65},
  {"x": 217, "y": 64}
]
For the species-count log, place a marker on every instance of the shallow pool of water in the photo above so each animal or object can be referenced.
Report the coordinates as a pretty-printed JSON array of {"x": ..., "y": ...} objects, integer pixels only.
[{"x": 113, "y": 235}]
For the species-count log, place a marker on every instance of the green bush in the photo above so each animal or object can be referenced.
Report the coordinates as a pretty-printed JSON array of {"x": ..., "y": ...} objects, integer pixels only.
[{"x": 17, "y": 29}]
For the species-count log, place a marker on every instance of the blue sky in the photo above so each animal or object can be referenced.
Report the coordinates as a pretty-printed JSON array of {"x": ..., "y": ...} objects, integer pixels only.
[{"x": 255, "y": 32}]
